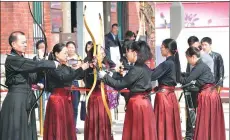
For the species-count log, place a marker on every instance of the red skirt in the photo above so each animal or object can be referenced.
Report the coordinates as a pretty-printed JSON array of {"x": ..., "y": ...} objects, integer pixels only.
[
  {"x": 140, "y": 123},
  {"x": 97, "y": 124},
  {"x": 210, "y": 116},
  {"x": 166, "y": 109},
  {"x": 59, "y": 119}
]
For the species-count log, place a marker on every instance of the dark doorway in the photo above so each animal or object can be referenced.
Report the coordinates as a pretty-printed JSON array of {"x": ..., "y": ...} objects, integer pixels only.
[
  {"x": 73, "y": 15},
  {"x": 122, "y": 11}
]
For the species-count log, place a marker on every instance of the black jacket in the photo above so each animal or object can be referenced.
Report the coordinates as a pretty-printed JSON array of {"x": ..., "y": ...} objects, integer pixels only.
[
  {"x": 218, "y": 66},
  {"x": 110, "y": 42}
]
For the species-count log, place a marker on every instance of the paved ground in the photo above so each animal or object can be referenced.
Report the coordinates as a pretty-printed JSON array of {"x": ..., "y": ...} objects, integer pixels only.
[{"x": 118, "y": 125}]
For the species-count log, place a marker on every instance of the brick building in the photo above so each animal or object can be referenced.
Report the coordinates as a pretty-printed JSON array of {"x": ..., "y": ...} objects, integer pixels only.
[
  {"x": 16, "y": 16},
  {"x": 59, "y": 21}
]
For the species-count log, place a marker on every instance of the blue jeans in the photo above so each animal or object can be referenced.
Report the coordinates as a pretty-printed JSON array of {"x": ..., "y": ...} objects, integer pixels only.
[{"x": 76, "y": 99}]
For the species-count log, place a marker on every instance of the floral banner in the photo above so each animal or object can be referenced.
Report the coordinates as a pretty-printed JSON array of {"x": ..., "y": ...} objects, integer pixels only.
[{"x": 197, "y": 14}]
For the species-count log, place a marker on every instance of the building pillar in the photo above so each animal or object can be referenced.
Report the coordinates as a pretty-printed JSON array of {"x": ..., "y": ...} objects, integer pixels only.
[
  {"x": 66, "y": 26},
  {"x": 107, "y": 12},
  {"x": 176, "y": 19},
  {"x": 80, "y": 26}
]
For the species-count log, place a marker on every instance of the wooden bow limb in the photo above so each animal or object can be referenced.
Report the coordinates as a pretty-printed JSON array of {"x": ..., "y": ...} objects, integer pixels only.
[
  {"x": 100, "y": 68},
  {"x": 94, "y": 55}
]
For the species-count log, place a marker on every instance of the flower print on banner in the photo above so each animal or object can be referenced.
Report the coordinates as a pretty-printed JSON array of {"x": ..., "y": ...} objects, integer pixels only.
[
  {"x": 190, "y": 20},
  {"x": 197, "y": 14}
]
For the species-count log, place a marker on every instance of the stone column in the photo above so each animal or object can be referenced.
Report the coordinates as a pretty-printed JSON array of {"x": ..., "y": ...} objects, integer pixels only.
[
  {"x": 176, "y": 19},
  {"x": 80, "y": 27},
  {"x": 107, "y": 12},
  {"x": 66, "y": 12}
]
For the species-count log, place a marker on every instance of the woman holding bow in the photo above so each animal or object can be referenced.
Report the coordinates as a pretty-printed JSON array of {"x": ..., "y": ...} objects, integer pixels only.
[
  {"x": 97, "y": 124},
  {"x": 59, "y": 119},
  {"x": 140, "y": 121}
]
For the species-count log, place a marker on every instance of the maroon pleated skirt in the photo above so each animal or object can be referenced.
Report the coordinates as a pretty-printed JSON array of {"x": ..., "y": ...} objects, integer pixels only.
[
  {"x": 97, "y": 124},
  {"x": 140, "y": 123},
  {"x": 210, "y": 116},
  {"x": 59, "y": 122},
  {"x": 166, "y": 109}
]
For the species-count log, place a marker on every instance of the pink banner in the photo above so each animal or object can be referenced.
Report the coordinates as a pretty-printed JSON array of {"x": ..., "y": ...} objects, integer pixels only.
[{"x": 197, "y": 14}]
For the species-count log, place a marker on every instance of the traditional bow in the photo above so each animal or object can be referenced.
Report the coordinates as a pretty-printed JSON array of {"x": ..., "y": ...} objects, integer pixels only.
[
  {"x": 94, "y": 55},
  {"x": 99, "y": 57},
  {"x": 46, "y": 46}
]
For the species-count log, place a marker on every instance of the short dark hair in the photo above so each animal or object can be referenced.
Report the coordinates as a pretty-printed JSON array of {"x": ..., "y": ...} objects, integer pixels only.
[
  {"x": 89, "y": 43},
  {"x": 70, "y": 42},
  {"x": 129, "y": 33},
  {"x": 39, "y": 42},
  {"x": 207, "y": 39},
  {"x": 192, "y": 40},
  {"x": 115, "y": 24},
  {"x": 142, "y": 49},
  {"x": 192, "y": 51},
  {"x": 13, "y": 36}
]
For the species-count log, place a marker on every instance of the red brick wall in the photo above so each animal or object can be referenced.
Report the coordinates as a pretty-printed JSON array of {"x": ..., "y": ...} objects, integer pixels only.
[
  {"x": 133, "y": 23},
  {"x": 113, "y": 17},
  {"x": 16, "y": 16}
]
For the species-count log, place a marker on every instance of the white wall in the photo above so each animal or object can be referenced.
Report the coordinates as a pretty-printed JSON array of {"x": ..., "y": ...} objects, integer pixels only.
[
  {"x": 220, "y": 39},
  {"x": 92, "y": 18}
]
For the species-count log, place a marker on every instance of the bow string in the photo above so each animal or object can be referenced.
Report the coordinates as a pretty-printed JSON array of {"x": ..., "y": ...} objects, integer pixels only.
[{"x": 46, "y": 46}]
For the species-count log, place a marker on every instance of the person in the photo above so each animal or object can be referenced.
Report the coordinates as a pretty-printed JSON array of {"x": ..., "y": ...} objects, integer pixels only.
[
  {"x": 206, "y": 43},
  {"x": 21, "y": 73},
  {"x": 97, "y": 124},
  {"x": 139, "y": 121},
  {"x": 40, "y": 47},
  {"x": 129, "y": 36},
  {"x": 193, "y": 41},
  {"x": 59, "y": 119},
  {"x": 166, "y": 106},
  {"x": 210, "y": 117},
  {"x": 112, "y": 41},
  {"x": 76, "y": 60}
]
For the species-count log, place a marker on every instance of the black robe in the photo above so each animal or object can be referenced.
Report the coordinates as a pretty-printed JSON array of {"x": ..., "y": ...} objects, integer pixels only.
[
  {"x": 165, "y": 73},
  {"x": 137, "y": 80},
  {"x": 201, "y": 73},
  {"x": 63, "y": 76},
  {"x": 20, "y": 74}
]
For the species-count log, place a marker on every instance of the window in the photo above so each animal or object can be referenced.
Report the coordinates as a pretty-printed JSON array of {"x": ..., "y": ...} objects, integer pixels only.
[{"x": 56, "y": 16}]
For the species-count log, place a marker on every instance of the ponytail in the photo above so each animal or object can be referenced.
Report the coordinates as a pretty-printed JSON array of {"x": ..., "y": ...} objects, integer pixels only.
[{"x": 177, "y": 66}]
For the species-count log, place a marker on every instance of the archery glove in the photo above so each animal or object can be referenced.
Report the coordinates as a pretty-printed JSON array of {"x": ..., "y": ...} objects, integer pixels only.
[{"x": 101, "y": 74}]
